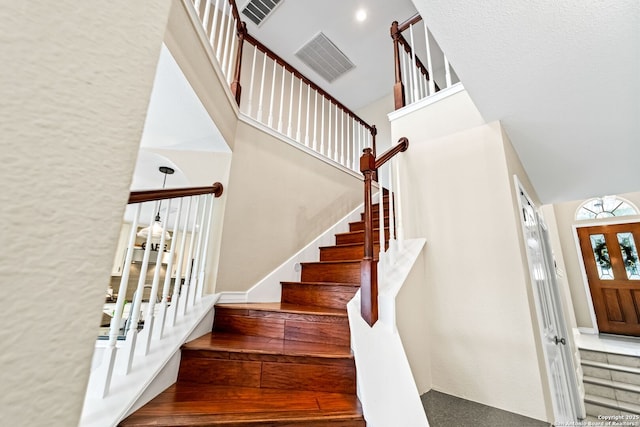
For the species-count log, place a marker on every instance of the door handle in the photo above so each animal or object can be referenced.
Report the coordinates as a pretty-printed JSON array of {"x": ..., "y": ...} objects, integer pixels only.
[{"x": 559, "y": 340}]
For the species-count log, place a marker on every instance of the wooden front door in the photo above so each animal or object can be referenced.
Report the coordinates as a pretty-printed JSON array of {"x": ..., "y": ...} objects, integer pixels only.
[{"x": 611, "y": 262}]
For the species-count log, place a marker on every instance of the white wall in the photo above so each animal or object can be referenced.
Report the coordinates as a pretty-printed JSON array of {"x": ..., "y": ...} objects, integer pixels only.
[
  {"x": 279, "y": 199},
  {"x": 482, "y": 338},
  {"x": 76, "y": 80}
]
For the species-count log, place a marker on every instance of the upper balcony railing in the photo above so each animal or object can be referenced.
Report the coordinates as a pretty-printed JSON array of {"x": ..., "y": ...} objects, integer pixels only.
[
  {"x": 274, "y": 93},
  {"x": 417, "y": 78}
]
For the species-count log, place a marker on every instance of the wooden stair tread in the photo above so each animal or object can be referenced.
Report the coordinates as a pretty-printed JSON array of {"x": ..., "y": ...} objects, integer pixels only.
[
  {"x": 339, "y": 262},
  {"x": 237, "y": 343},
  {"x": 285, "y": 308},
  {"x": 359, "y": 232},
  {"x": 190, "y": 404},
  {"x": 353, "y": 285}
]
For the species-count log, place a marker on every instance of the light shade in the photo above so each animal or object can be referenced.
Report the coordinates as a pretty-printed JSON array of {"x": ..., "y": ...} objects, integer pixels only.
[{"x": 156, "y": 232}]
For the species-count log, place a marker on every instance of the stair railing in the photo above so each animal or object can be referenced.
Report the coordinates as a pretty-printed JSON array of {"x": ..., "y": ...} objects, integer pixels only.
[
  {"x": 369, "y": 164},
  {"x": 282, "y": 98},
  {"x": 188, "y": 217},
  {"x": 415, "y": 80},
  {"x": 279, "y": 96}
]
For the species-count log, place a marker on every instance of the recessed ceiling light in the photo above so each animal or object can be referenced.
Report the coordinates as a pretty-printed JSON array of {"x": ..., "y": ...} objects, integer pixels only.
[{"x": 361, "y": 15}]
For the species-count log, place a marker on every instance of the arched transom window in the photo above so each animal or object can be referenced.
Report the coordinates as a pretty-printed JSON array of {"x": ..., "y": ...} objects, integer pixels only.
[{"x": 605, "y": 207}]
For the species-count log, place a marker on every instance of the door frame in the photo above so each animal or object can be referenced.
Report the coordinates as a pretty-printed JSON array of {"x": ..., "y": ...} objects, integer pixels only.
[
  {"x": 575, "y": 399},
  {"x": 583, "y": 271}
]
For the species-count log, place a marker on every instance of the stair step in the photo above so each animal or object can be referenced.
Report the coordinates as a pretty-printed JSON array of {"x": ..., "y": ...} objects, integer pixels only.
[
  {"x": 359, "y": 225},
  {"x": 249, "y": 361},
  {"x": 598, "y": 405},
  {"x": 357, "y": 236},
  {"x": 612, "y": 358},
  {"x": 192, "y": 404},
  {"x": 346, "y": 252},
  {"x": 620, "y": 391},
  {"x": 322, "y": 294},
  {"x": 620, "y": 373},
  {"x": 331, "y": 271},
  {"x": 284, "y": 321}
]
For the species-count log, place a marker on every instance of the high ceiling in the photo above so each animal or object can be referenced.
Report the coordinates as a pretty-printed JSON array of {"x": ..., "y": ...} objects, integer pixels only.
[{"x": 563, "y": 77}]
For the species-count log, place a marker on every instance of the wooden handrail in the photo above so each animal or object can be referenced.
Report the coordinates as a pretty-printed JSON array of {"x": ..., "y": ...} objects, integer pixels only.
[
  {"x": 398, "y": 39},
  {"x": 409, "y": 22},
  {"x": 149, "y": 195},
  {"x": 369, "y": 265},
  {"x": 274, "y": 56}
]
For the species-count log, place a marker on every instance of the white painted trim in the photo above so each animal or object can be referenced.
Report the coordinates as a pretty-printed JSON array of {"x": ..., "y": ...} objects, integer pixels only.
[
  {"x": 300, "y": 146},
  {"x": 127, "y": 389},
  {"x": 386, "y": 387},
  {"x": 230, "y": 297},
  {"x": 426, "y": 101},
  {"x": 204, "y": 40},
  {"x": 587, "y": 331}
]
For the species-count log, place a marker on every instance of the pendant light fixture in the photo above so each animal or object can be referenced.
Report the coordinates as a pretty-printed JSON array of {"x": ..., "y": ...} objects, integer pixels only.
[{"x": 156, "y": 227}]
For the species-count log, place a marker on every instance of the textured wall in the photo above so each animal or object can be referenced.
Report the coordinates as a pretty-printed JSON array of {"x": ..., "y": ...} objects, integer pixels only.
[
  {"x": 279, "y": 199},
  {"x": 481, "y": 338},
  {"x": 75, "y": 83}
]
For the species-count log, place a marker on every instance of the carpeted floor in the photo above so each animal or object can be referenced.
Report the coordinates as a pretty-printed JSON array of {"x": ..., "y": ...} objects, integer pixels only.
[{"x": 444, "y": 410}]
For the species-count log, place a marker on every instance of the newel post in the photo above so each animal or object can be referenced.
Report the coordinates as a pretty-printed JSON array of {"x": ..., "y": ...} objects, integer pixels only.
[
  {"x": 398, "y": 88},
  {"x": 368, "y": 266},
  {"x": 236, "y": 89}
]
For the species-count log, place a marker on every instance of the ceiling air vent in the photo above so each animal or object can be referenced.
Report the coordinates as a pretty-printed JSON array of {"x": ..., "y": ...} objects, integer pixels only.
[
  {"x": 323, "y": 57},
  {"x": 258, "y": 10}
]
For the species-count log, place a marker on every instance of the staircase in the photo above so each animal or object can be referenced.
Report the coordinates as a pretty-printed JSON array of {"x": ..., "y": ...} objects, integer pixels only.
[
  {"x": 612, "y": 385},
  {"x": 275, "y": 364}
]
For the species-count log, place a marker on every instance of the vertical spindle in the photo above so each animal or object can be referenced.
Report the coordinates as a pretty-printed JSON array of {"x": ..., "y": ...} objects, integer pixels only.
[
  {"x": 222, "y": 31},
  {"x": 284, "y": 72},
  {"x": 261, "y": 98},
  {"x": 298, "y": 137},
  {"x": 272, "y": 95},
  {"x": 187, "y": 287},
  {"x": 291, "y": 92},
  {"x": 447, "y": 71},
  {"x": 432, "y": 86},
  {"x": 252, "y": 82},
  {"x": 306, "y": 131}
]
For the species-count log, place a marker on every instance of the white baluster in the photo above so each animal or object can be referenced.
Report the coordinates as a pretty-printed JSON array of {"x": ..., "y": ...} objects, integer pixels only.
[
  {"x": 116, "y": 320},
  {"x": 298, "y": 137},
  {"x": 306, "y": 131},
  {"x": 198, "y": 256},
  {"x": 432, "y": 85},
  {"x": 187, "y": 288},
  {"x": 222, "y": 31},
  {"x": 134, "y": 313},
  {"x": 166, "y": 288},
  {"x": 231, "y": 50},
  {"x": 281, "y": 101},
  {"x": 447, "y": 71},
  {"x": 392, "y": 225},
  {"x": 414, "y": 66},
  {"x": 336, "y": 156},
  {"x": 205, "y": 251},
  {"x": 342, "y": 139},
  {"x": 214, "y": 23},
  {"x": 207, "y": 9},
  {"x": 264, "y": 69},
  {"x": 273, "y": 95},
  {"x": 252, "y": 81},
  {"x": 329, "y": 131},
  {"x": 322, "y": 129},
  {"x": 173, "y": 308},
  {"x": 315, "y": 122},
  {"x": 354, "y": 145},
  {"x": 398, "y": 206},
  {"x": 381, "y": 226},
  {"x": 290, "y": 127},
  {"x": 196, "y": 5},
  {"x": 149, "y": 319}
]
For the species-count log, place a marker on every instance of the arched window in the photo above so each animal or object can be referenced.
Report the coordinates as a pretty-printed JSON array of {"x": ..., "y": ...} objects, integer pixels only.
[{"x": 605, "y": 207}]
